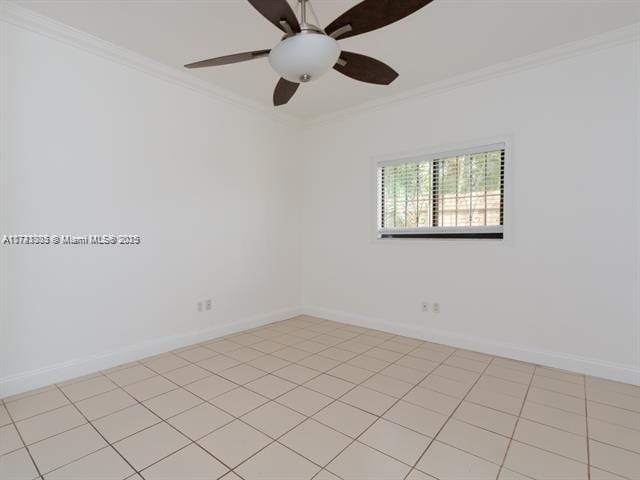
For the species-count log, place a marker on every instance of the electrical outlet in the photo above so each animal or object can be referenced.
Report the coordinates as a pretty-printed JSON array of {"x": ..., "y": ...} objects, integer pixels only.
[
  {"x": 199, "y": 306},
  {"x": 425, "y": 306},
  {"x": 209, "y": 304},
  {"x": 436, "y": 307}
]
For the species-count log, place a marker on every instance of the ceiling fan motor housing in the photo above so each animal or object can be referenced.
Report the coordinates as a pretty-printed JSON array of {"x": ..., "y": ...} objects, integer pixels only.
[{"x": 305, "y": 56}]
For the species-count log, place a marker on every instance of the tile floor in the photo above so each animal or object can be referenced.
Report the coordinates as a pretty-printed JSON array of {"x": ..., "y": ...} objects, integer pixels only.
[{"x": 308, "y": 398}]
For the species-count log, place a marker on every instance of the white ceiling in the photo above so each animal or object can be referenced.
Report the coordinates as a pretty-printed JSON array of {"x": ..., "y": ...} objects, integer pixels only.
[{"x": 444, "y": 39}]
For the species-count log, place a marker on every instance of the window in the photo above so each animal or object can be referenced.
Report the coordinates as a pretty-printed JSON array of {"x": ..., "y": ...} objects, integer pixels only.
[{"x": 451, "y": 195}]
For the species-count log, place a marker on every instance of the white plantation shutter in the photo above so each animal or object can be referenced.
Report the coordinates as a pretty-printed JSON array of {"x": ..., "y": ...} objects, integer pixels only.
[{"x": 456, "y": 194}]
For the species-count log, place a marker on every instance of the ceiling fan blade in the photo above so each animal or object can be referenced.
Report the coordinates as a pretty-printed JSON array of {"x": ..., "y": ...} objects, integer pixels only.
[
  {"x": 372, "y": 14},
  {"x": 365, "y": 69},
  {"x": 227, "y": 59},
  {"x": 276, "y": 11},
  {"x": 284, "y": 91}
]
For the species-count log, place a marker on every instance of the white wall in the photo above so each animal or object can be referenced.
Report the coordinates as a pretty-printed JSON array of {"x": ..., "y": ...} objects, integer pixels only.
[
  {"x": 93, "y": 146},
  {"x": 562, "y": 289}
]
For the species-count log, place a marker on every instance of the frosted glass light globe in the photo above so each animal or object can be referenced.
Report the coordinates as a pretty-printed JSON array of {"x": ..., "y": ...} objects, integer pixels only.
[{"x": 304, "y": 57}]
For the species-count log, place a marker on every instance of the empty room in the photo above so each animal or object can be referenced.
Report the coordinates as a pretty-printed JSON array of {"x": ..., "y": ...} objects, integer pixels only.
[{"x": 319, "y": 240}]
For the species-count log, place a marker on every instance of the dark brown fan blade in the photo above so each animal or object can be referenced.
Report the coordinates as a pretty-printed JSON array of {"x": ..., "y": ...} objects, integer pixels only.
[
  {"x": 284, "y": 91},
  {"x": 365, "y": 69},
  {"x": 227, "y": 59},
  {"x": 372, "y": 14},
  {"x": 275, "y": 11}
]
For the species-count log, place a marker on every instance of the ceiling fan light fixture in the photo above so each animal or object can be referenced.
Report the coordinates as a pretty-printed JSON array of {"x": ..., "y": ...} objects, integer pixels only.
[{"x": 304, "y": 57}]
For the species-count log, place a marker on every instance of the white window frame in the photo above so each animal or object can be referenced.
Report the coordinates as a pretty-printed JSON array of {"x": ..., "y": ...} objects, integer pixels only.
[{"x": 439, "y": 152}]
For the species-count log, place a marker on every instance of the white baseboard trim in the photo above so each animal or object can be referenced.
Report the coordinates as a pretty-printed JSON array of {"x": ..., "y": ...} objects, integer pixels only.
[
  {"x": 589, "y": 366},
  {"x": 60, "y": 372}
]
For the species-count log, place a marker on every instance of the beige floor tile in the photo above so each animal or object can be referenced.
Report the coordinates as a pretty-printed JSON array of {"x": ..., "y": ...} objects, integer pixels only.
[
  {"x": 125, "y": 422},
  {"x": 9, "y": 439},
  {"x": 615, "y": 415},
  {"x": 560, "y": 375},
  {"x": 597, "y": 474},
  {"x": 29, "y": 393},
  {"x": 382, "y": 354},
  {"x": 210, "y": 387},
  {"x": 496, "y": 400},
  {"x": 614, "y": 435},
  {"x": 487, "y": 418},
  {"x": 305, "y": 401},
  {"x": 172, "y": 403},
  {"x": 457, "y": 374},
  {"x": 553, "y": 417},
  {"x": 316, "y": 441},
  {"x": 474, "y": 440},
  {"x": 218, "y": 364},
  {"x": 465, "y": 364},
  {"x": 416, "y": 418},
  {"x": 603, "y": 384},
  {"x": 506, "y": 387},
  {"x": 311, "y": 347},
  {"x": 319, "y": 363},
  {"x": 369, "y": 400},
  {"x": 478, "y": 357},
  {"x": 165, "y": 362},
  {"x": 350, "y": 373},
  {"x": 557, "y": 400},
  {"x": 245, "y": 354},
  {"x": 406, "y": 374},
  {"x": 429, "y": 354},
  {"x": 196, "y": 354},
  {"x": 398, "y": 442},
  {"x": 17, "y": 465},
  {"x": 388, "y": 385},
  {"x": 368, "y": 363},
  {"x": 337, "y": 354},
  {"x": 360, "y": 462},
  {"x": 515, "y": 364},
  {"x": 291, "y": 354},
  {"x": 345, "y": 418},
  {"x": 222, "y": 345},
  {"x": 4, "y": 416},
  {"x": 418, "y": 475},
  {"x": 268, "y": 363},
  {"x": 445, "y": 385},
  {"x": 354, "y": 346},
  {"x": 150, "y": 388},
  {"x": 277, "y": 462},
  {"x": 45, "y": 425},
  {"x": 270, "y": 386},
  {"x": 552, "y": 439},
  {"x": 613, "y": 459},
  {"x": 230, "y": 476},
  {"x": 105, "y": 464},
  {"x": 330, "y": 386},
  {"x": 325, "y": 475},
  {"x": 615, "y": 399},
  {"x": 105, "y": 403},
  {"x": 192, "y": 462},
  {"x": 420, "y": 364},
  {"x": 246, "y": 339},
  {"x": 35, "y": 404},
  {"x": 239, "y": 401},
  {"x": 509, "y": 374},
  {"x": 448, "y": 463},
  {"x": 560, "y": 386},
  {"x": 199, "y": 421},
  {"x": 267, "y": 346},
  {"x": 432, "y": 400},
  {"x": 296, "y": 373},
  {"x": 88, "y": 388},
  {"x": 127, "y": 376},
  {"x": 188, "y": 374},
  {"x": 234, "y": 443},
  {"x": 273, "y": 419},
  {"x": 150, "y": 445},
  {"x": 61, "y": 449},
  {"x": 506, "y": 474},
  {"x": 242, "y": 374},
  {"x": 540, "y": 464}
]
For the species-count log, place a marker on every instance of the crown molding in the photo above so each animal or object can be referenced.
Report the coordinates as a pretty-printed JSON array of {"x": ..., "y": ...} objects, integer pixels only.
[
  {"x": 569, "y": 50},
  {"x": 24, "y": 18}
]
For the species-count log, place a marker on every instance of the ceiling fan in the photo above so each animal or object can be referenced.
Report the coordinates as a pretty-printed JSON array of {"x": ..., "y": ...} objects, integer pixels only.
[{"x": 307, "y": 52}]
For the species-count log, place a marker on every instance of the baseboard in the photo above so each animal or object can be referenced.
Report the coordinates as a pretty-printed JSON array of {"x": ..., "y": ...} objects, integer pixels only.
[
  {"x": 41, "y": 377},
  {"x": 589, "y": 366}
]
